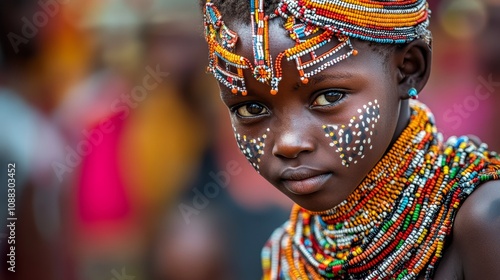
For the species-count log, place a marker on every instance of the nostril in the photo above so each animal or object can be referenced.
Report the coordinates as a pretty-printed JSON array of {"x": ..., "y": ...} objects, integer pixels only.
[{"x": 291, "y": 146}]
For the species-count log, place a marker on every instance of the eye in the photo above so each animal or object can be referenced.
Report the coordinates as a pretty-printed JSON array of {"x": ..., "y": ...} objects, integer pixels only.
[
  {"x": 251, "y": 110},
  {"x": 328, "y": 98}
]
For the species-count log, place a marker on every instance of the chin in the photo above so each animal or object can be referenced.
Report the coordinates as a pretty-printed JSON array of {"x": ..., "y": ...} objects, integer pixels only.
[{"x": 315, "y": 202}]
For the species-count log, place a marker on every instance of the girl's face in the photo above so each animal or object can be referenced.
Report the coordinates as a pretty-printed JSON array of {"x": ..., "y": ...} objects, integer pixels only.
[{"x": 316, "y": 142}]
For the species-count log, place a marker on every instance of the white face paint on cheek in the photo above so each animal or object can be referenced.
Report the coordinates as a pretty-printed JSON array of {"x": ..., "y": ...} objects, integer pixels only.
[
  {"x": 353, "y": 139},
  {"x": 252, "y": 148}
]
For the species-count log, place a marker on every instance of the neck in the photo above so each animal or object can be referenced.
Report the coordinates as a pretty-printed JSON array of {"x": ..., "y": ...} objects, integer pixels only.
[{"x": 404, "y": 119}]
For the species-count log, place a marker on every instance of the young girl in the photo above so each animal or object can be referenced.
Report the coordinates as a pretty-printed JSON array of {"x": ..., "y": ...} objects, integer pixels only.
[{"x": 319, "y": 96}]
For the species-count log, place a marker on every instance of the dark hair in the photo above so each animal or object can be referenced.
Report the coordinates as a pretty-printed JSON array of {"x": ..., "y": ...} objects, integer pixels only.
[
  {"x": 240, "y": 10},
  {"x": 385, "y": 50}
]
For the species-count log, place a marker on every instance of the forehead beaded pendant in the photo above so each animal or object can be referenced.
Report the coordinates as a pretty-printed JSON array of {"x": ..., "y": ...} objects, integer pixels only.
[{"x": 263, "y": 71}]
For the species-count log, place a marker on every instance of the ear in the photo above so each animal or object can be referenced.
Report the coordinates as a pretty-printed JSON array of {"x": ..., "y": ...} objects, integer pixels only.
[{"x": 414, "y": 66}]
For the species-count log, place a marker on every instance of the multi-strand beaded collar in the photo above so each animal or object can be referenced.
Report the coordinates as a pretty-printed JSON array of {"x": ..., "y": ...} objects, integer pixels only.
[
  {"x": 396, "y": 223},
  {"x": 312, "y": 24}
]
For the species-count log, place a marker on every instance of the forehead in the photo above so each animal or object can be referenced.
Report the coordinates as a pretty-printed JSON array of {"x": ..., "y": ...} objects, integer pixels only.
[{"x": 279, "y": 38}]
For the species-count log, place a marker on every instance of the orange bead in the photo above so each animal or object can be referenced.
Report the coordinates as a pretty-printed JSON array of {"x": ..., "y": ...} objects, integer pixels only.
[
  {"x": 274, "y": 91},
  {"x": 234, "y": 90}
]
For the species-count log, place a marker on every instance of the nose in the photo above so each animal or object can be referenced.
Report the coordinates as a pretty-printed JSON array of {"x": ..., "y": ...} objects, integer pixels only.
[{"x": 292, "y": 142}]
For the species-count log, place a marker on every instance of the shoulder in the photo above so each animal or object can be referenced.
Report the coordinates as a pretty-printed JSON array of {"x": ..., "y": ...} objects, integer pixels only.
[{"x": 476, "y": 232}]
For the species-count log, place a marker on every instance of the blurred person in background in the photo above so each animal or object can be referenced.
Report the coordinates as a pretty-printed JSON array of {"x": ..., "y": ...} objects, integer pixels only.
[
  {"x": 145, "y": 143},
  {"x": 41, "y": 56},
  {"x": 100, "y": 216}
]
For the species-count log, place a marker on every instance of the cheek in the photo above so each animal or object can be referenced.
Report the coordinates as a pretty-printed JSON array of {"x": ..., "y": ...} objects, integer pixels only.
[
  {"x": 252, "y": 148},
  {"x": 353, "y": 139}
]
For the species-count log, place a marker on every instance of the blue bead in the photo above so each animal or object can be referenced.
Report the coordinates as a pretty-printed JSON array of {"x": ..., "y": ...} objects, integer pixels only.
[{"x": 412, "y": 92}]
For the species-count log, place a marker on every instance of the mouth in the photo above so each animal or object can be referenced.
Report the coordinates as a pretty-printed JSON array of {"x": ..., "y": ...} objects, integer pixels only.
[{"x": 303, "y": 181}]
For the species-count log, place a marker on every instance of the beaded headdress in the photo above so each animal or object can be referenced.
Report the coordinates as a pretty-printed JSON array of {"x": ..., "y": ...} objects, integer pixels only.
[{"x": 312, "y": 24}]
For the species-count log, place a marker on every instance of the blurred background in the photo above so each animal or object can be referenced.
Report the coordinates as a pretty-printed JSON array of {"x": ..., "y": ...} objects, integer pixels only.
[{"x": 126, "y": 167}]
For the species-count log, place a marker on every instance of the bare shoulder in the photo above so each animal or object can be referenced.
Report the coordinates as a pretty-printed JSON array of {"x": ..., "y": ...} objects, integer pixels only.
[{"x": 476, "y": 232}]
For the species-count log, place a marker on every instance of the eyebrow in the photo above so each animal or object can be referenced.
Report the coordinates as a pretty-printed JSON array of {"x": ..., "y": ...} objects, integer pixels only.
[
  {"x": 228, "y": 97},
  {"x": 320, "y": 77}
]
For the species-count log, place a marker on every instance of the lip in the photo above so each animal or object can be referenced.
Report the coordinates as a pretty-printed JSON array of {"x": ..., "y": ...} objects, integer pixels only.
[{"x": 303, "y": 180}]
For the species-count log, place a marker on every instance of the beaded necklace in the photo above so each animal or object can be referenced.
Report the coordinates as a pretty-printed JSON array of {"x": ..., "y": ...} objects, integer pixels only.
[{"x": 395, "y": 224}]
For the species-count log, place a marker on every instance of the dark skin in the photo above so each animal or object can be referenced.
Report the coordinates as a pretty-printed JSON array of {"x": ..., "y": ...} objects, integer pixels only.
[{"x": 300, "y": 162}]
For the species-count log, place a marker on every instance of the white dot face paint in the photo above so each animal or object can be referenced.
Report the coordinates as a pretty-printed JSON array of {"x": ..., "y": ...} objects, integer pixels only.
[
  {"x": 252, "y": 148},
  {"x": 352, "y": 140}
]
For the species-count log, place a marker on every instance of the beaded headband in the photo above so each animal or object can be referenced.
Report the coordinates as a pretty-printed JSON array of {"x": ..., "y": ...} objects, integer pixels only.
[{"x": 311, "y": 24}]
